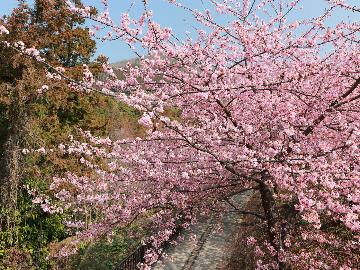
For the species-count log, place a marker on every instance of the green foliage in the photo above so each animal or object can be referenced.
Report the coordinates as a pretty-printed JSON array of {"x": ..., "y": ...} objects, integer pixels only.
[
  {"x": 33, "y": 231},
  {"x": 103, "y": 254}
]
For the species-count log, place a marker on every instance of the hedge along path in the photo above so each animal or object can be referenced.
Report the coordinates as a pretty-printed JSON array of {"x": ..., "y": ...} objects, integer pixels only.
[{"x": 209, "y": 251}]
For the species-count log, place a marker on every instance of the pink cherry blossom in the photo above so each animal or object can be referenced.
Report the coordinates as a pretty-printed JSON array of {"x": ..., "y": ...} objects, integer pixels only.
[{"x": 258, "y": 104}]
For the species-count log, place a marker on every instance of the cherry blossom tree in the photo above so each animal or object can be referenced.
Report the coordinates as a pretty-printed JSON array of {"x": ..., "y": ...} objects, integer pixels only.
[{"x": 259, "y": 103}]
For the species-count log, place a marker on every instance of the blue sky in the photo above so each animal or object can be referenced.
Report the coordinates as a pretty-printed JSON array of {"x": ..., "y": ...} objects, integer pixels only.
[{"x": 167, "y": 15}]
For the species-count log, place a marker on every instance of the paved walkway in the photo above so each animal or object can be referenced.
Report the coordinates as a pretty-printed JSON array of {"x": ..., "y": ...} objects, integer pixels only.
[{"x": 208, "y": 253}]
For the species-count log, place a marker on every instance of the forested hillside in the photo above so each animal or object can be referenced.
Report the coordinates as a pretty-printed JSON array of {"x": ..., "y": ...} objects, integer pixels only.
[{"x": 40, "y": 114}]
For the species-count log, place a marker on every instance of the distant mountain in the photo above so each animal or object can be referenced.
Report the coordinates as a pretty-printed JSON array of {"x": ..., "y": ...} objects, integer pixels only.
[
  {"x": 102, "y": 76},
  {"x": 123, "y": 63}
]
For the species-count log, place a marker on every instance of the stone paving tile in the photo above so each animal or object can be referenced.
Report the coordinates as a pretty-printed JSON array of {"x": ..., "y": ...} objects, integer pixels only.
[{"x": 209, "y": 252}]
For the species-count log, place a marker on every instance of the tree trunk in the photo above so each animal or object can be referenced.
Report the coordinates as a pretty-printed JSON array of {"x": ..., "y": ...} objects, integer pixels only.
[
  {"x": 272, "y": 219},
  {"x": 9, "y": 181},
  {"x": 268, "y": 204},
  {"x": 10, "y": 172}
]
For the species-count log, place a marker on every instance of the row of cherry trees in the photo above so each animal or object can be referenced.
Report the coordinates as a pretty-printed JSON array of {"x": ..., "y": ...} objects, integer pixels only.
[{"x": 258, "y": 104}]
